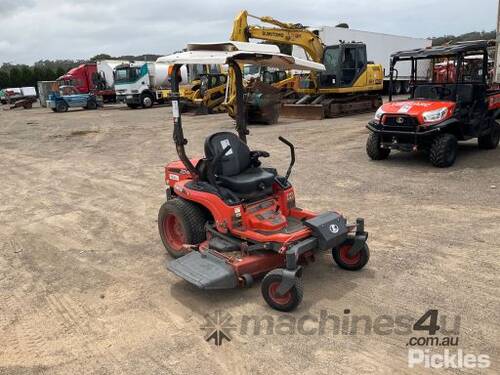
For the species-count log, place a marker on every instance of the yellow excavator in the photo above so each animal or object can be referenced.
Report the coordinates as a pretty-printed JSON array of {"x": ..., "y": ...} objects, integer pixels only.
[{"x": 350, "y": 83}]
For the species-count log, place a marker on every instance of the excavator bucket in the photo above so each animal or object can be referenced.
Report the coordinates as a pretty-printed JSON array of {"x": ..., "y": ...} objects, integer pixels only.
[
  {"x": 263, "y": 103},
  {"x": 303, "y": 111}
]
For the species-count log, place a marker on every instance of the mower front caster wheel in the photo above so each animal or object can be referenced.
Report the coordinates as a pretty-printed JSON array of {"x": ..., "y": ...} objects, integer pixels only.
[
  {"x": 288, "y": 301},
  {"x": 352, "y": 263}
]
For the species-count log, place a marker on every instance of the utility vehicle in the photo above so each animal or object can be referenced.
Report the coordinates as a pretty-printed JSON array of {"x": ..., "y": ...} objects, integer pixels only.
[
  {"x": 227, "y": 219},
  {"x": 455, "y": 106}
]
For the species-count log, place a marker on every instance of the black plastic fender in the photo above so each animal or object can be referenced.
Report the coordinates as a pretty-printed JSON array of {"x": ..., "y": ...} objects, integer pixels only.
[{"x": 288, "y": 279}]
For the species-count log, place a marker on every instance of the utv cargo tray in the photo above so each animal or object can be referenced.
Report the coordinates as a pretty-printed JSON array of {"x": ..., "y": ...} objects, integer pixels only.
[{"x": 205, "y": 270}]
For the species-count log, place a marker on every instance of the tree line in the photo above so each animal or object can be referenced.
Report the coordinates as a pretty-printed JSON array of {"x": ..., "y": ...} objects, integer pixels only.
[{"x": 475, "y": 35}]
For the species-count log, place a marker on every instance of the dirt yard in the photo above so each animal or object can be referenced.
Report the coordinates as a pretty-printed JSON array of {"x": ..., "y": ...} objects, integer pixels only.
[{"x": 83, "y": 281}]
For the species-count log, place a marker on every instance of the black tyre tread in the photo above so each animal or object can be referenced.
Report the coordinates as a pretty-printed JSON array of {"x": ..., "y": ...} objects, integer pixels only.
[
  {"x": 373, "y": 148},
  {"x": 488, "y": 141},
  {"x": 91, "y": 104},
  {"x": 148, "y": 96},
  {"x": 61, "y": 107},
  {"x": 193, "y": 218},
  {"x": 359, "y": 266},
  {"x": 298, "y": 291},
  {"x": 439, "y": 149}
]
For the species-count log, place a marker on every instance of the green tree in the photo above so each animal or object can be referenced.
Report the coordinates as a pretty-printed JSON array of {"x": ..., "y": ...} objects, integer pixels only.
[
  {"x": 15, "y": 76},
  {"x": 4, "y": 79}
]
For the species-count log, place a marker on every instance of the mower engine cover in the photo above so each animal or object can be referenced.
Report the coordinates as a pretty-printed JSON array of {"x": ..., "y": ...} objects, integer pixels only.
[{"x": 329, "y": 228}]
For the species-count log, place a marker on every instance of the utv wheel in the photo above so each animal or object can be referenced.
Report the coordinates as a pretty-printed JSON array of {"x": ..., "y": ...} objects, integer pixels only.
[
  {"x": 146, "y": 101},
  {"x": 443, "y": 151},
  {"x": 490, "y": 141},
  {"x": 61, "y": 107},
  {"x": 373, "y": 149},
  {"x": 352, "y": 263},
  {"x": 287, "y": 302},
  {"x": 181, "y": 222}
]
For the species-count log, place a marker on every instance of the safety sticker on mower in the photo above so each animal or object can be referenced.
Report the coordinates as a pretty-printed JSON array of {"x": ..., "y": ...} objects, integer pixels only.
[
  {"x": 224, "y": 143},
  {"x": 175, "y": 108}
]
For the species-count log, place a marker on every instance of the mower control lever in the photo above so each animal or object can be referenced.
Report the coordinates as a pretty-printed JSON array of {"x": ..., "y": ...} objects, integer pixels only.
[{"x": 292, "y": 154}]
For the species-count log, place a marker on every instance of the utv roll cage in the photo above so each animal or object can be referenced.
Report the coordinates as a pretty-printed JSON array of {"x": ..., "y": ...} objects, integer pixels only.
[{"x": 456, "y": 51}]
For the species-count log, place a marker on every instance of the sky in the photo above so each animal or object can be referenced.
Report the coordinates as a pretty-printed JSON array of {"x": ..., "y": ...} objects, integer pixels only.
[{"x": 32, "y": 30}]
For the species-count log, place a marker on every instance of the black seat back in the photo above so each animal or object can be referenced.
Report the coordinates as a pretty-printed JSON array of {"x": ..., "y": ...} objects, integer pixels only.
[{"x": 236, "y": 160}]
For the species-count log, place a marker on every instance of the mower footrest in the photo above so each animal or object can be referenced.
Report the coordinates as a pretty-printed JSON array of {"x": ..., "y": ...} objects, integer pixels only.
[{"x": 205, "y": 270}]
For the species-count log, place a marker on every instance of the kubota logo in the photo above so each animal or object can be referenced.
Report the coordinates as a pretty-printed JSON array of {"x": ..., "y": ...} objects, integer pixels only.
[{"x": 334, "y": 228}]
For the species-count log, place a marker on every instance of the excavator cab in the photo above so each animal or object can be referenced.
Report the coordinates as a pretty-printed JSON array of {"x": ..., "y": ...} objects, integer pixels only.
[{"x": 344, "y": 64}]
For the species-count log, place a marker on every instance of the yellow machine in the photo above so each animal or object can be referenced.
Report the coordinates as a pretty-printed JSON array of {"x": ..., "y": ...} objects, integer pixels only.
[
  {"x": 349, "y": 84},
  {"x": 205, "y": 94}
]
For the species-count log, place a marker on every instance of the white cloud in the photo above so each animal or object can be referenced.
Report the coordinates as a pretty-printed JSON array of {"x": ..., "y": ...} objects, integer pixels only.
[{"x": 38, "y": 29}]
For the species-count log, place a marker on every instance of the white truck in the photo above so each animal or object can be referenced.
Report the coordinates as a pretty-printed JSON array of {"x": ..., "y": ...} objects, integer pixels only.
[
  {"x": 141, "y": 84},
  {"x": 379, "y": 48},
  {"x": 13, "y": 94}
]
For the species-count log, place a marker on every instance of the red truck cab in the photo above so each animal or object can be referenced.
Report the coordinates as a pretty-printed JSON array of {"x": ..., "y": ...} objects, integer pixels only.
[{"x": 86, "y": 79}]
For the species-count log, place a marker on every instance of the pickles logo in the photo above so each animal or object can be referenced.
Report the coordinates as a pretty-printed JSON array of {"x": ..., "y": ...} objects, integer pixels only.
[{"x": 218, "y": 327}]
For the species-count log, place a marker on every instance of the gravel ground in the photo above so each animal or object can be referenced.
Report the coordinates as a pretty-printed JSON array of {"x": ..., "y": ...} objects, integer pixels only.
[{"x": 83, "y": 282}]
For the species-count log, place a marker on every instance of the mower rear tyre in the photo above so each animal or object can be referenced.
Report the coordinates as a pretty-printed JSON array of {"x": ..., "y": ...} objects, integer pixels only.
[
  {"x": 287, "y": 302},
  {"x": 354, "y": 263},
  {"x": 181, "y": 222},
  {"x": 490, "y": 141},
  {"x": 373, "y": 149},
  {"x": 443, "y": 152}
]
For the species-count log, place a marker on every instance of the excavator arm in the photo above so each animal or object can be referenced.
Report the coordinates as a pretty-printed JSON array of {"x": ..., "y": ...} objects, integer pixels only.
[{"x": 285, "y": 33}]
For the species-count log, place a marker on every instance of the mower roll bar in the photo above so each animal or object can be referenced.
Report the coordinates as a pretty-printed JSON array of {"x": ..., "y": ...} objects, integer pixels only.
[
  {"x": 178, "y": 134},
  {"x": 292, "y": 154}
]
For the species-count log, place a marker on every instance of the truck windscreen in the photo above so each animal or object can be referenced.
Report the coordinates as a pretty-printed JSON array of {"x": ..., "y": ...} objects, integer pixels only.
[{"x": 123, "y": 75}]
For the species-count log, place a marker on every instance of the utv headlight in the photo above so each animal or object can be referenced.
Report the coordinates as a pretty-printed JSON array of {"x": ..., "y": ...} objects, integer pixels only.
[
  {"x": 379, "y": 113},
  {"x": 436, "y": 115}
]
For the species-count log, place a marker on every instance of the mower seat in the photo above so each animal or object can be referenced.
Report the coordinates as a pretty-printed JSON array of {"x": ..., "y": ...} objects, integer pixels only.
[{"x": 237, "y": 170}]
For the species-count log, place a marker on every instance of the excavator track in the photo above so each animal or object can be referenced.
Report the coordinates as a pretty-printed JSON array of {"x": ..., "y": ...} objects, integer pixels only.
[{"x": 327, "y": 107}]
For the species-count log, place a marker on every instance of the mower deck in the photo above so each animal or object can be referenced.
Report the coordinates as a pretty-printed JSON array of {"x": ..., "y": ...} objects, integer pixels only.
[{"x": 204, "y": 269}]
